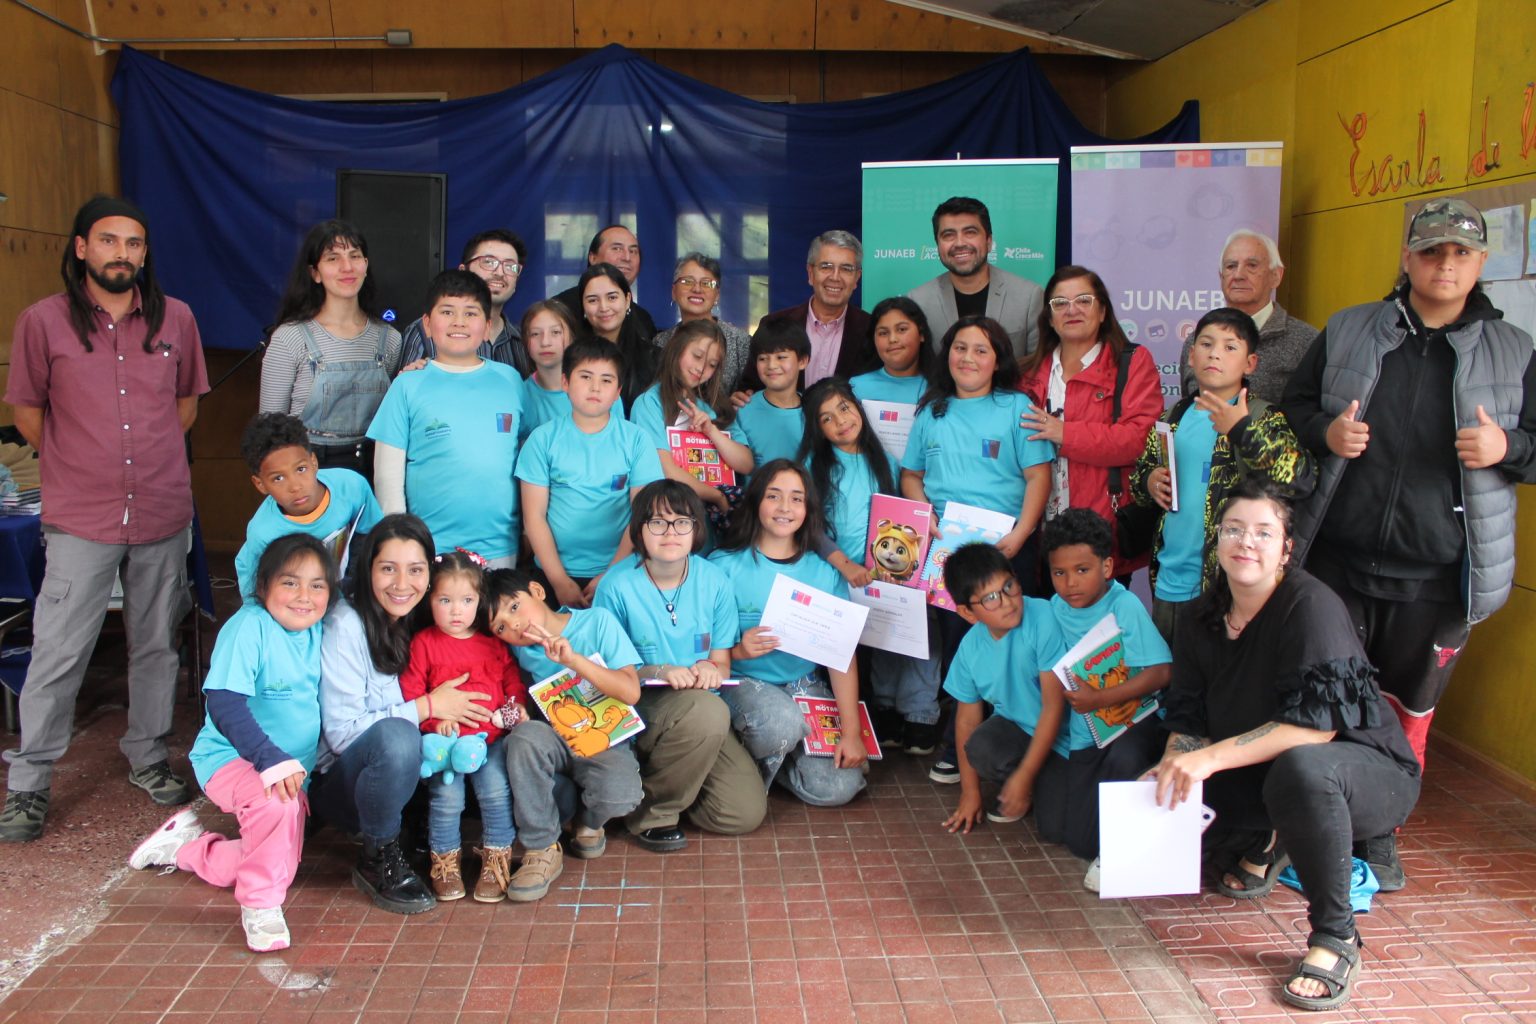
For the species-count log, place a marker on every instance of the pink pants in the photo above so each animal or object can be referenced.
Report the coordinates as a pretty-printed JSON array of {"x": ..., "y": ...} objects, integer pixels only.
[{"x": 261, "y": 863}]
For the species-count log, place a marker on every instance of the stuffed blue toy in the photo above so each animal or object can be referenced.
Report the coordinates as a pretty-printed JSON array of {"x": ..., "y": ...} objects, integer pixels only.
[{"x": 451, "y": 755}]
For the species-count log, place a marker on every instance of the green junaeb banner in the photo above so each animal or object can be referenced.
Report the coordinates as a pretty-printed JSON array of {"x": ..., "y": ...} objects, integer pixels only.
[{"x": 899, "y": 200}]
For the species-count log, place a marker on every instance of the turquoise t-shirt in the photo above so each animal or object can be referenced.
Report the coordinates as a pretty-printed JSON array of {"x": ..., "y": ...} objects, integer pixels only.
[
  {"x": 590, "y": 631},
  {"x": 847, "y": 507},
  {"x": 278, "y": 672},
  {"x": 646, "y": 414},
  {"x": 771, "y": 432},
  {"x": 1144, "y": 645},
  {"x": 590, "y": 477},
  {"x": 540, "y": 406},
  {"x": 880, "y": 386},
  {"x": 976, "y": 453},
  {"x": 704, "y": 605},
  {"x": 458, "y": 428},
  {"x": 751, "y": 574},
  {"x": 1179, "y": 562},
  {"x": 351, "y": 500},
  {"x": 1006, "y": 673}
]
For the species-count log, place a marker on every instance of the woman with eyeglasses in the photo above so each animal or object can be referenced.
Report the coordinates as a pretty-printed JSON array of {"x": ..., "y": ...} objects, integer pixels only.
[
  {"x": 1275, "y": 708},
  {"x": 1073, "y": 378},
  {"x": 330, "y": 358},
  {"x": 695, "y": 292},
  {"x": 680, "y": 611}
]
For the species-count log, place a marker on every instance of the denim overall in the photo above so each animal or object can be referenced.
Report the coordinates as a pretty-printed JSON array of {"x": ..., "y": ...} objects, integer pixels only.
[{"x": 342, "y": 400}]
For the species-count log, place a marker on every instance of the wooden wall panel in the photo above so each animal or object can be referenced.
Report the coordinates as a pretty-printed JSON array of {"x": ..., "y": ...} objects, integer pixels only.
[
  {"x": 458, "y": 24},
  {"x": 177, "y": 19},
  {"x": 471, "y": 72},
  {"x": 31, "y": 272},
  {"x": 282, "y": 72},
  {"x": 31, "y": 64},
  {"x": 876, "y": 25},
  {"x": 783, "y": 24},
  {"x": 31, "y": 173}
]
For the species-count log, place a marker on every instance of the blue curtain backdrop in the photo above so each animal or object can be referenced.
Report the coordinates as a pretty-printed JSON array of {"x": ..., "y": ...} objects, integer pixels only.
[{"x": 231, "y": 179}]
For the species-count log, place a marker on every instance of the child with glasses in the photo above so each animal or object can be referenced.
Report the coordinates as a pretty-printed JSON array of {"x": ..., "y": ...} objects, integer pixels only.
[
  {"x": 680, "y": 612},
  {"x": 1079, "y": 550},
  {"x": 1005, "y": 661}
]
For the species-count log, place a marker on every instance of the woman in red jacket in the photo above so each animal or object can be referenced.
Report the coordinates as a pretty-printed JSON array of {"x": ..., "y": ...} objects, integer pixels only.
[{"x": 1071, "y": 378}]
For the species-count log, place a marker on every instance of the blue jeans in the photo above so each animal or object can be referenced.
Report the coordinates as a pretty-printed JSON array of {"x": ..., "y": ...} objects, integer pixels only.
[
  {"x": 771, "y": 727},
  {"x": 369, "y": 784},
  {"x": 910, "y": 685},
  {"x": 492, "y": 791}
]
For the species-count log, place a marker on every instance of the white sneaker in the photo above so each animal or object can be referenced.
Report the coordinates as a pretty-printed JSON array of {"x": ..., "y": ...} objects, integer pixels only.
[
  {"x": 997, "y": 817},
  {"x": 266, "y": 930},
  {"x": 160, "y": 849},
  {"x": 1091, "y": 879}
]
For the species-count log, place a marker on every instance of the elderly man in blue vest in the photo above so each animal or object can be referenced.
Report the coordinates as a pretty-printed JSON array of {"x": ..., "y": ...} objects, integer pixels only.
[{"x": 1420, "y": 406}]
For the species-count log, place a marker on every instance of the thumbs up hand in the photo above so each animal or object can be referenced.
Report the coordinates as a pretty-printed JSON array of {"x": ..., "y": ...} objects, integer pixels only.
[
  {"x": 1347, "y": 436},
  {"x": 1483, "y": 445}
]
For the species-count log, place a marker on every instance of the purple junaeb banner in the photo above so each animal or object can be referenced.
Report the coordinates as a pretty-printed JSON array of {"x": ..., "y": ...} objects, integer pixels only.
[{"x": 1151, "y": 220}]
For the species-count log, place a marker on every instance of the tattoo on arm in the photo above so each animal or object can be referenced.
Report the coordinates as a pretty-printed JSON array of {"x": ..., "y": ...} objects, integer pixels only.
[
  {"x": 1183, "y": 744},
  {"x": 1254, "y": 735}
]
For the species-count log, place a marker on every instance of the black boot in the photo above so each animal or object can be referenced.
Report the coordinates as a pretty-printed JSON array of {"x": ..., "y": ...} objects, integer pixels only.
[
  {"x": 1381, "y": 854},
  {"x": 382, "y": 873}
]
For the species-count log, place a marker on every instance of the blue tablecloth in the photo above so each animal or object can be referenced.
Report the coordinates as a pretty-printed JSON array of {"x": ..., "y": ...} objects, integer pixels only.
[{"x": 21, "y": 557}]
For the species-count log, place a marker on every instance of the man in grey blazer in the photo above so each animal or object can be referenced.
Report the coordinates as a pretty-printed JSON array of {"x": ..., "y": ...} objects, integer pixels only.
[{"x": 962, "y": 231}]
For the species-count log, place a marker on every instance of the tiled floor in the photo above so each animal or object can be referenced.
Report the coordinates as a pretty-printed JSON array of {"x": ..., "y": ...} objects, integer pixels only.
[{"x": 868, "y": 913}]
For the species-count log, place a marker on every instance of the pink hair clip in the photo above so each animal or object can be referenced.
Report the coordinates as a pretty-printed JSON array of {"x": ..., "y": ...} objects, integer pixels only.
[{"x": 473, "y": 557}]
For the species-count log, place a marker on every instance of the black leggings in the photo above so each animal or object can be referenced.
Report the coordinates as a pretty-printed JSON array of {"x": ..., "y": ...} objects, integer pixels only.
[{"x": 1322, "y": 798}]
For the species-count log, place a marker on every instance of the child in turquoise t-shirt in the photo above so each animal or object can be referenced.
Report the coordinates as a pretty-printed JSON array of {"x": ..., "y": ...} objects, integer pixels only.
[
  {"x": 687, "y": 394},
  {"x": 548, "y": 327},
  {"x": 578, "y": 474},
  {"x": 331, "y": 504},
  {"x": 452, "y": 422},
  {"x": 899, "y": 334},
  {"x": 1004, "y": 660},
  {"x": 849, "y": 466},
  {"x": 773, "y": 533},
  {"x": 259, "y": 741},
  {"x": 771, "y": 423},
  {"x": 1079, "y": 549},
  {"x": 546, "y": 641},
  {"x": 681, "y": 614}
]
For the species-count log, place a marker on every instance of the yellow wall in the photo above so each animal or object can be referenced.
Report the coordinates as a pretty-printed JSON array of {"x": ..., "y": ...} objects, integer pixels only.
[{"x": 1305, "y": 72}]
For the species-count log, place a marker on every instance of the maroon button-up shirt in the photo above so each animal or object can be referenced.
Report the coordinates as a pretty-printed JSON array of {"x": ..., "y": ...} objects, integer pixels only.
[{"x": 113, "y": 461}]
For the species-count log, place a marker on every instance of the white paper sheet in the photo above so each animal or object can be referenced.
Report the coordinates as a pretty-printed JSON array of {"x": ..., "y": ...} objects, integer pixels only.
[
  {"x": 1144, "y": 849},
  {"x": 892, "y": 423},
  {"x": 898, "y": 618},
  {"x": 1506, "y": 243},
  {"x": 1517, "y": 301},
  {"x": 812, "y": 624}
]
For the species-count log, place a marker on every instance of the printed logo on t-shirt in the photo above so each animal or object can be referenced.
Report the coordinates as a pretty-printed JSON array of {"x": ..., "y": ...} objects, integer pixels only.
[
  {"x": 701, "y": 643},
  {"x": 506, "y": 422},
  {"x": 620, "y": 481},
  {"x": 277, "y": 690},
  {"x": 436, "y": 429},
  {"x": 990, "y": 448}
]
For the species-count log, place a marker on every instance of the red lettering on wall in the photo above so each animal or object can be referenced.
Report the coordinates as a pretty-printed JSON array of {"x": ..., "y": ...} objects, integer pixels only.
[
  {"x": 1385, "y": 175},
  {"x": 1486, "y": 158}
]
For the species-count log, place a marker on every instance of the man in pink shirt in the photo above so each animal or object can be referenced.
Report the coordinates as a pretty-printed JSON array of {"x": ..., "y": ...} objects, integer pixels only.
[
  {"x": 839, "y": 330},
  {"x": 104, "y": 383}
]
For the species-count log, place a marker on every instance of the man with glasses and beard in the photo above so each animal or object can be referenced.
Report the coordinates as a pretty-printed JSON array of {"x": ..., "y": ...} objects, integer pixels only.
[
  {"x": 104, "y": 383},
  {"x": 497, "y": 257}
]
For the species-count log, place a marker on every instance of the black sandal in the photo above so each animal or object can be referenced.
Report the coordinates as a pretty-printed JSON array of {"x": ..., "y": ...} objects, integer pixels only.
[
  {"x": 1273, "y": 861},
  {"x": 1339, "y": 979}
]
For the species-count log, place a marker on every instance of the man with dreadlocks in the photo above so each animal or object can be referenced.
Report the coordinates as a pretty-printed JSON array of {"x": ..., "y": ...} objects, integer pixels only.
[{"x": 104, "y": 383}]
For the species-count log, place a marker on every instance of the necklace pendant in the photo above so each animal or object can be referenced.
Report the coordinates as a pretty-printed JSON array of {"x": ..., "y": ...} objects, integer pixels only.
[{"x": 672, "y": 611}]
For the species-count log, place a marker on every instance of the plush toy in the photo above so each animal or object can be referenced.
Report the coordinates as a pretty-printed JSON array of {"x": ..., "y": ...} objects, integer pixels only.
[{"x": 451, "y": 755}]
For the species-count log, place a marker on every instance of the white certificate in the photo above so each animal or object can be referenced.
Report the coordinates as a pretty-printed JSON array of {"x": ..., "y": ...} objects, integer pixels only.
[
  {"x": 1145, "y": 849},
  {"x": 812, "y": 624},
  {"x": 898, "y": 618},
  {"x": 892, "y": 423}
]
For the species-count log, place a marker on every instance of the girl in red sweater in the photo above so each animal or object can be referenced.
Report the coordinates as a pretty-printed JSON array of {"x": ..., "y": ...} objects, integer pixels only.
[
  {"x": 457, "y": 648},
  {"x": 1071, "y": 378}
]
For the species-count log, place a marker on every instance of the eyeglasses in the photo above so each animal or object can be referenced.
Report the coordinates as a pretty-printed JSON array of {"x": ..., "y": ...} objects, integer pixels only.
[
  {"x": 709, "y": 284},
  {"x": 1084, "y": 302},
  {"x": 658, "y": 527},
  {"x": 848, "y": 269},
  {"x": 992, "y": 599},
  {"x": 1238, "y": 534},
  {"x": 490, "y": 264}
]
